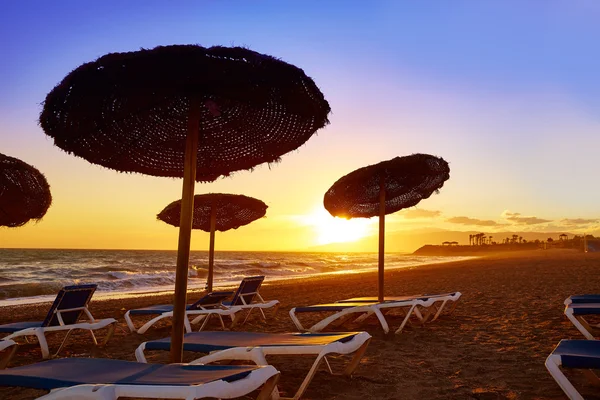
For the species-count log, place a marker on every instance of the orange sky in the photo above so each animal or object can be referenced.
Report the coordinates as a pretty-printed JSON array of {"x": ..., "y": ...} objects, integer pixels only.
[{"x": 518, "y": 123}]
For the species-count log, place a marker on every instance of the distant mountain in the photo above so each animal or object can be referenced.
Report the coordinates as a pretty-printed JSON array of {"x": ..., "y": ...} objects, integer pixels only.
[{"x": 409, "y": 241}]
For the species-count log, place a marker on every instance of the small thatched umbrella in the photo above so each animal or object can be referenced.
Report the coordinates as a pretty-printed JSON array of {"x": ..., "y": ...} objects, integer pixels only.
[
  {"x": 184, "y": 111},
  {"x": 384, "y": 188},
  {"x": 216, "y": 212},
  {"x": 24, "y": 192}
]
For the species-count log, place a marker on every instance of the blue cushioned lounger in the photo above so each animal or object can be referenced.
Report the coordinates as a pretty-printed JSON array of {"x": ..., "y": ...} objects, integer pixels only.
[
  {"x": 255, "y": 347},
  {"x": 109, "y": 379},
  {"x": 347, "y": 310},
  {"x": 576, "y": 354},
  {"x": 247, "y": 297},
  {"x": 207, "y": 305},
  {"x": 70, "y": 305},
  {"x": 439, "y": 304}
]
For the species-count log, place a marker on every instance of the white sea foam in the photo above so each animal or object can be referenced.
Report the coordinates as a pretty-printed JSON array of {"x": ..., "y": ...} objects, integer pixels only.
[{"x": 34, "y": 275}]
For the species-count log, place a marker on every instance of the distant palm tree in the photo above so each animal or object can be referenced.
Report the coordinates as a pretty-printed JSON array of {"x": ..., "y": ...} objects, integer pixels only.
[
  {"x": 520, "y": 239},
  {"x": 470, "y": 240},
  {"x": 490, "y": 239}
]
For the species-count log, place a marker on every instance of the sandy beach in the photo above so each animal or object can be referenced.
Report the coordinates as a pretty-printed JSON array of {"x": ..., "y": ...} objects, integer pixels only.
[{"x": 492, "y": 347}]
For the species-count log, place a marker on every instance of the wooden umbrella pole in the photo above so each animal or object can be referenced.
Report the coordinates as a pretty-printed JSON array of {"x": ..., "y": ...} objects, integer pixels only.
[
  {"x": 211, "y": 253},
  {"x": 185, "y": 231},
  {"x": 381, "y": 235}
]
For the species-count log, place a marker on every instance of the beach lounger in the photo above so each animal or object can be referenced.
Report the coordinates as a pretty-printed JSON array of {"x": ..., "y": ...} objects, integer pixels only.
[
  {"x": 344, "y": 311},
  {"x": 248, "y": 298},
  {"x": 439, "y": 304},
  {"x": 94, "y": 378},
  {"x": 70, "y": 304},
  {"x": 207, "y": 306},
  {"x": 576, "y": 354},
  {"x": 251, "y": 346},
  {"x": 576, "y": 313},
  {"x": 8, "y": 348}
]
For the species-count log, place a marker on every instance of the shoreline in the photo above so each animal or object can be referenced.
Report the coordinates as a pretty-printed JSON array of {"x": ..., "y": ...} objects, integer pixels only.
[
  {"x": 101, "y": 295},
  {"x": 493, "y": 346}
]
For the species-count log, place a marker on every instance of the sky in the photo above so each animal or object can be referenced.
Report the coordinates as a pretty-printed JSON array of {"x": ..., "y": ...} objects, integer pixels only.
[{"x": 505, "y": 91}]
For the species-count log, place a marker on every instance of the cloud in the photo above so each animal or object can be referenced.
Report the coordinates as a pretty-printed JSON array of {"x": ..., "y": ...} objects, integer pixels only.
[
  {"x": 521, "y": 220},
  {"x": 578, "y": 221},
  {"x": 414, "y": 213},
  {"x": 472, "y": 221}
]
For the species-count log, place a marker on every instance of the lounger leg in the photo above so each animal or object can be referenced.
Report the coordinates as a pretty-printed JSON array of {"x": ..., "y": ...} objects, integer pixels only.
[
  {"x": 439, "y": 312},
  {"x": 269, "y": 389},
  {"x": 93, "y": 337},
  {"x": 39, "y": 333},
  {"x": 111, "y": 331},
  {"x": 129, "y": 322},
  {"x": 382, "y": 321},
  {"x": 205, "y": 322},
  {"x": 580, "y": 324},
  {"x": 553, "y": 363},
  {"x": 65, "y": 340},
  {"x": 222, "y": 323},
  {"x": 186, "y": 323},
  {"x": 410, "y": 311},
  {"x": 7, "y": 357},
  {"x": 358, "y": 354},
  {"x": 198, "y": 319},
  {"x": 296, "y": 321},
  {"x": 154, "y": 320}
]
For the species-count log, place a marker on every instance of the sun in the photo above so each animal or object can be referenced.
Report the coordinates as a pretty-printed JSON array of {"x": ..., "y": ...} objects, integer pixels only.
[{"x": 329, "y": 229}]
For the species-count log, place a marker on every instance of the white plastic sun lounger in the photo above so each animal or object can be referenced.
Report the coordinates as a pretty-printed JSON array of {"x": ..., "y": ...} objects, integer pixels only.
[
  {"x": 94, "y": 378},
  {"x": 248, "y": 298},
  {"x": 8, "y": 348},
  {"x": 574, "y": 354},
  {"x": 576, "y": 313},
  {"x": 255, "y": 347},
  {"x": 345, "y": 311},
  {"x": 205, "y": 307},
  {"x": 439, "y": 304},
  {"x": 70, "y": 304}
]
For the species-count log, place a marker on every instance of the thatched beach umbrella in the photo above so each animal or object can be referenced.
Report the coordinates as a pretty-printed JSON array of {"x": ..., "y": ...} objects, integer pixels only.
[
  {"x": 216, "y": 212},
  {"x": 24, "y": 192},
  {"x": 384, "y": 188},
  {"x": 184, "y": 111}
]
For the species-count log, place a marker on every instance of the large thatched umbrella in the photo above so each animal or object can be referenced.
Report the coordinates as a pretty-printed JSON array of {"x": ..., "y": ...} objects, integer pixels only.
[
  {"x": 24, "y": 192},
  {"x": 216, "y": 212},
  {"x": 184, "y": 111},
  {"x": 384, "y": 188}
]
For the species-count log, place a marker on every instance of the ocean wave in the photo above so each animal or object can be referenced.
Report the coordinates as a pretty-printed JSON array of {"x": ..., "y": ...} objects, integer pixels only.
[{"x": 44, "y": 272}]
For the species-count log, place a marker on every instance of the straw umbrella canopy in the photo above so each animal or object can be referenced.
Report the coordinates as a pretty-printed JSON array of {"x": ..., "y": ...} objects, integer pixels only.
[
  {"x": 184, "y": 111},
  {"x": 216, "y": 212},
  {"x": 24, "y": 192},
  {"x": 384, "y": 188}
]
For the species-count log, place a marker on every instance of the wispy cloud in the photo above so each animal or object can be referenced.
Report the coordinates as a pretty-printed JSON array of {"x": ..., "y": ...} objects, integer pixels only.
[
  {"x": 414, "y": 213},
  {"x": 578, "y": 221},
  {"x": 519, "y": 219},
  {"x": 473, "y": 221}
]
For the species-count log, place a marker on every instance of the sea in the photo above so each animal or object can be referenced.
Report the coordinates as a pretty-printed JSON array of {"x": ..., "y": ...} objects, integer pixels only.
[{"x": 35, "y": 275}]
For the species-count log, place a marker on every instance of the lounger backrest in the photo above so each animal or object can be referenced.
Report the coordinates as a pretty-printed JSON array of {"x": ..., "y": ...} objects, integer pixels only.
[
  {"x": 210, "y": 300},
  {"x": 247, "y": 290},
  {"x": 76, "y": 296}
]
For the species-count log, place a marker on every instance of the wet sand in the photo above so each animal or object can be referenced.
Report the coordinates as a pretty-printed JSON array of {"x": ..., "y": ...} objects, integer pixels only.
[{"x": 492, "y": 347}]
